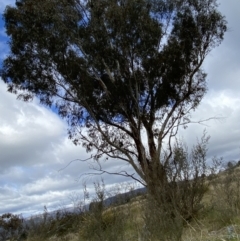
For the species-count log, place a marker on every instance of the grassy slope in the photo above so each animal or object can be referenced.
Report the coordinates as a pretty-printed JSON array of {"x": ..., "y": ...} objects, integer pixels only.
[{"x": 218, "y": 220}]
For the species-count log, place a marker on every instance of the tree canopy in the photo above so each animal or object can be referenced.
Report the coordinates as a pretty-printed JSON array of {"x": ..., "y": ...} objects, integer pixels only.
[{"x": 119, "y": 71}]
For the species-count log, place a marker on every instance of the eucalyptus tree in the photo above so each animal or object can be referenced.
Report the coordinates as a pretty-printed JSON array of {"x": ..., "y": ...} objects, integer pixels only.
[{"x": 125, "y": 74}]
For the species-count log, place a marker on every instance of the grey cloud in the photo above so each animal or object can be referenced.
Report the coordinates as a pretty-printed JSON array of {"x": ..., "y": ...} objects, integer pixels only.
[
  {"x": 224, "y": 129},
  {"x": 222, "y": 65},
  {"x": 49, "y": 191},
  {"x": 34, "y": 204}
]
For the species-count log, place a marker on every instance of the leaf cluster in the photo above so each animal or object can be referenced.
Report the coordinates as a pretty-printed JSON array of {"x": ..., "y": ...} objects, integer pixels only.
[{"x": 112, "y": 60}]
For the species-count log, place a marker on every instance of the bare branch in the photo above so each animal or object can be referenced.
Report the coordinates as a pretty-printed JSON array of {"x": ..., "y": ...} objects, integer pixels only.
[{"x": 100, "y": 171}]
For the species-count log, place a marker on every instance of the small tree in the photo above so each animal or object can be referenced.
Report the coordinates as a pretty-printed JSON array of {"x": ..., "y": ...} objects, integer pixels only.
[
  {"x": 120, "y": 72},
  {"x": 181, "y": 198},
  {"x": 231, "y": 164},
  {"x": 11, "y": 226}
]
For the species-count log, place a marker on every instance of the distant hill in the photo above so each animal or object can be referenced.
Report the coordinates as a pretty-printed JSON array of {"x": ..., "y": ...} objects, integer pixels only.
[{"x": 114, "y": 200}]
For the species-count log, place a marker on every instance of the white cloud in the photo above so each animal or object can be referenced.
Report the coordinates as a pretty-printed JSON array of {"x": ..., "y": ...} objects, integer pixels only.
[
  {"x": 224, "y": 129},
  {"x": 27, "y": 130},
  {"x": 35, "y": 148},
  {"x": 33, "y": 139}
]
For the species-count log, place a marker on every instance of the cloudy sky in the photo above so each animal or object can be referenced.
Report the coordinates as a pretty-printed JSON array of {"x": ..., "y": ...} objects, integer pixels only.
[{"x": 34, "y": 146}]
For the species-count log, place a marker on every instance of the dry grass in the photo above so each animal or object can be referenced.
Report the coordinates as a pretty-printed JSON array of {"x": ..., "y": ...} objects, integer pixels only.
[{"x": 219, "y": 220}]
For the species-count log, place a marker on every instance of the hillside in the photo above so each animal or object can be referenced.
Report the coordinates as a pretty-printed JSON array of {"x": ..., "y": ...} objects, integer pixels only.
[{"x": 123, "y": 216}]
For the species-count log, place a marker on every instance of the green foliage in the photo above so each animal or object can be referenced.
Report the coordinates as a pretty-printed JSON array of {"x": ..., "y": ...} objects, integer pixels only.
[{"x": 112, "y": 62}]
